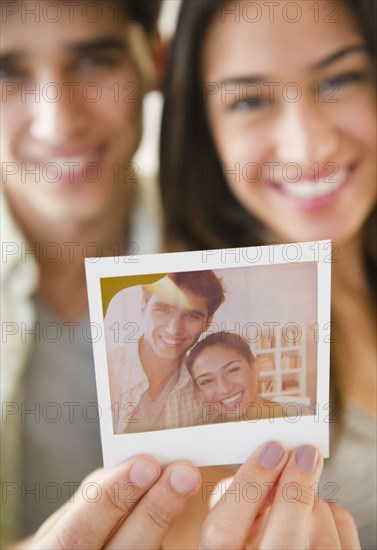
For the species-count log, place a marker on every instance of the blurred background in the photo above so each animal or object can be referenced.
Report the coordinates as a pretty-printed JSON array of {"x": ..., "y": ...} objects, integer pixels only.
[{"x": 147, "y": 154}]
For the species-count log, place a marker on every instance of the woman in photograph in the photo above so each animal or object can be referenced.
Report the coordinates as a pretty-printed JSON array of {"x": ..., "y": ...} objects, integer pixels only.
[
  {"x": 269, "y": 136},
  {"x": 224, "y": 370}
]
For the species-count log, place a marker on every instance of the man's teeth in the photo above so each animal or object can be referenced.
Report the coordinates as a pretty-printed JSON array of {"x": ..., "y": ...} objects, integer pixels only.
[
  {"x": 307, "y": 189},
  {"x": 171, "y": 342},
  {"x": 72, "y": 166},
  {"x": 81, "y": 160},
  {"x": 232, "y": 399}
]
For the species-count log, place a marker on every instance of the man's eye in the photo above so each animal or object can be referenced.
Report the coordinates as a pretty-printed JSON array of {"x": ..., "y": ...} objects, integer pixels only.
[
  {"x": 162, "y": 309},
  {"x": 90, "y": 62},
  {"x": 193, "y": 316}
]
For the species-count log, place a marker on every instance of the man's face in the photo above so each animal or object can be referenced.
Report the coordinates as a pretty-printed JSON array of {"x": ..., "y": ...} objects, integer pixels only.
[
  {"x": 72, "y": 94},
  {"x": 173, "y": 325}
]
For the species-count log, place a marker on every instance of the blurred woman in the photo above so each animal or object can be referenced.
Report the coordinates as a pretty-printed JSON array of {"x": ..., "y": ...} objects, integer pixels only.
[{"x": 269, "y": 136}]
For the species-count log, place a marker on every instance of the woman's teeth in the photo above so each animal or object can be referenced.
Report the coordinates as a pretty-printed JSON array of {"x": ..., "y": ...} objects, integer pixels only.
[
  {"x": 231, "y": 400},
  {"x": 308, "y": 189}
]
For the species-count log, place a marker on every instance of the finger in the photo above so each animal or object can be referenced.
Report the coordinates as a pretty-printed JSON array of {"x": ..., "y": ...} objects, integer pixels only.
[
  {"x": 46, "y": 527},
  {"x": 52, "y": 520},
  {"x": 346, "y": 527},
  {"x": 101, "y": 505},
  {"x": 154, "y": 515},
  {"x": 221, "y": 487},
  {"x": 287, "y": 523},
  {"x": 257, "y": 530},
  {"x": 322, "y": 532},
  {"x": 228, "y": 523}
]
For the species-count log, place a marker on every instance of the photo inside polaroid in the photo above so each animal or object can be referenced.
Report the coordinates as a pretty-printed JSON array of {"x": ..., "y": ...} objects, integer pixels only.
[{"x": 213, "y": 346}]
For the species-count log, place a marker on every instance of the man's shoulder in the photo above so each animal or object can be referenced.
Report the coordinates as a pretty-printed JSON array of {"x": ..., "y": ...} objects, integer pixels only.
[
  {"x": 189, "y": 392},
  {"x": 123, "y": 354},
  {"x": 16, "y": 263},
  {"x": 125, "y": 370},
  {"x": 185, "y": 383}
]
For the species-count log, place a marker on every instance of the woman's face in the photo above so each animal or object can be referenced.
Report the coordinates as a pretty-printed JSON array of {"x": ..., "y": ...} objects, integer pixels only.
[
  {"x": 290, "y": 100},
  {"x": 225, "y": 377}
]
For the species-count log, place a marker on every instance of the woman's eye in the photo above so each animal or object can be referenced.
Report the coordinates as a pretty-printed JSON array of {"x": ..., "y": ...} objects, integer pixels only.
[
  {"x": 205, "y": 382},
  {"x": 342, "y": 80},
  {"x": 12, "y": 73},
  {"x": 251, "y": 104},
  {"x": 233, "y": 370}
]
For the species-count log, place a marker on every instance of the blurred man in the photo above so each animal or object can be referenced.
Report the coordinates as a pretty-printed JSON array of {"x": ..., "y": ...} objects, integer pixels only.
[{"x": 73, "y": 79}]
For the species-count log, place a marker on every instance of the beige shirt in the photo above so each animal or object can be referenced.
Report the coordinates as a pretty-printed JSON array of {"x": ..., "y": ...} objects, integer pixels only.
[
  {"x": 19, "y": 278},
  {"x": 128, "y": 383}
]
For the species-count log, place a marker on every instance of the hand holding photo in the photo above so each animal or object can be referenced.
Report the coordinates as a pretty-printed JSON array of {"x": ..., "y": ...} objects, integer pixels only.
[{"x": 217, "y": 353}]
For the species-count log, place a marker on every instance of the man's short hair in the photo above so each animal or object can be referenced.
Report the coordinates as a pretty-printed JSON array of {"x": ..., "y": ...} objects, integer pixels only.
[
  {"x": 222, "y": 338},
  {"x": 202, "y": 283},
  {"x": 145, "y": 12}
]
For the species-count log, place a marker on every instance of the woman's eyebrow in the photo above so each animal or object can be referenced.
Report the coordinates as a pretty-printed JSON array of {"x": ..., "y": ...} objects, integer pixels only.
[
  {"x": 264, "y": 79},
  {"x": 336, "y": 56},
  {"x": 11, "y": 57},
  {"x": 222, "y": 367}
]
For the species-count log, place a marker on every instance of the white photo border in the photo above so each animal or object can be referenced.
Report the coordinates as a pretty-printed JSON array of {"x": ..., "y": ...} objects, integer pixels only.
[{"x": 204, "y": 445}]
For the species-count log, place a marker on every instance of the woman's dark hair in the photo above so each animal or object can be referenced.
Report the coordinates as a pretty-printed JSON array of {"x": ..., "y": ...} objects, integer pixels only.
[
  {"x": 144, "y": 12},
  {"x": 222, "y": 338},
  {"x": 199, "y": 209}
]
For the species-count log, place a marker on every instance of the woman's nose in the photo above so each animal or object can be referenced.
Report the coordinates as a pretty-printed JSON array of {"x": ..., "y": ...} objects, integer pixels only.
[
  {"x": 305, "y": 135},
  {"x": 223, "y": 386}
]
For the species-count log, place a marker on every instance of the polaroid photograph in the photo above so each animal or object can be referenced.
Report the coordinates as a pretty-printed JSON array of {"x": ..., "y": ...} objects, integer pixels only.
[{"x": 206, "y": 355}]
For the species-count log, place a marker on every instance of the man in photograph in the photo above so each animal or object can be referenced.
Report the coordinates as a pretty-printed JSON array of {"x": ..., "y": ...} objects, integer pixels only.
[{"x": 149, "y": 383}]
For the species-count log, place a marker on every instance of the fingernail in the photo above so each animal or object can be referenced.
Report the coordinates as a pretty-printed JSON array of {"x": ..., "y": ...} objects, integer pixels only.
[
  {"x": 271, "y": 454},
  {"x": 143, "y": 473},
  {"x": 184, "y": 479},
  {"x": 307, "y": 458},
  {"x": 332, "y": 502}
]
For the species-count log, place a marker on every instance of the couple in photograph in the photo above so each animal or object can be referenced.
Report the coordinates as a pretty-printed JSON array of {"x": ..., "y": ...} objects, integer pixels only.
[{"x": 154, "y": 384}]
